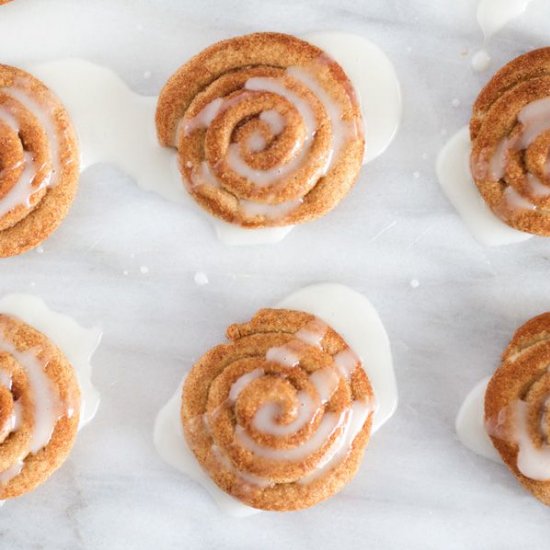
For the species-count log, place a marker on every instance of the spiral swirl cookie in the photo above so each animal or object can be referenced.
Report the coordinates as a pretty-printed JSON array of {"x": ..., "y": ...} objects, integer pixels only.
[
  {"x": 517, "y": 406},
  {"x": 510, "y": 131},
  {"x": 39, "y": 407},
  {"x": 39, "y": 162},
  {"x": 279, "y": 417},
  {"x": 267, "y": 128}
]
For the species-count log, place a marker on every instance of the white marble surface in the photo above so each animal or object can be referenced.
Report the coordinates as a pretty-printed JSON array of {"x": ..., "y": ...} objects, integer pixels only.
[{"x": 418, "y": 487}]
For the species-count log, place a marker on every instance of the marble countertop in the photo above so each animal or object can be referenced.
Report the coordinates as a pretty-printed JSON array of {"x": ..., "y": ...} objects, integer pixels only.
[{"x": 418, "y": 487}]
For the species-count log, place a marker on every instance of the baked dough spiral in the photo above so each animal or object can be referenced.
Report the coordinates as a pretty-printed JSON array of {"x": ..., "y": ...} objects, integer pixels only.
[
  {"x": 517, "y": 406},
  {"x": 280, "y": 416},
  {"x": 510, "y": 131},
  {"x": 267, "y": 127},
  {"x": 39, "y": 161},
  {"x": 39, "y": 407}
]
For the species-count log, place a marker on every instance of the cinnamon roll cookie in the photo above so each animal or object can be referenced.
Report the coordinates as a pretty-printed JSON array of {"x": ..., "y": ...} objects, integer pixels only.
[
  {"x": 39, "y": 407},
  {"x": 267, "y": 128},
  {"x": 39, "y": 161},
  {"x": 510, "y": 132},
  {"x": 280, "y": 416},
  {"x": 517, "y": 407}
]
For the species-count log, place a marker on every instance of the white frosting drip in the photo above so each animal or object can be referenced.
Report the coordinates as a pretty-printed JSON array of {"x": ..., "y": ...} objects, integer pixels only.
[
  {"x": 274, "y": 119},
  {"x": 240, "y": 384},
  {"x": 535, "y": 120},
  {"x": 313, "y": 333},
  {"x": 536, "y": 187},
  {"x": 357, "y": 416},
  {"x": 204, "y": 118},
  {"x": 346, "y": 361},
  {"x": 271, "y": 211},
  {"x": 46, "y": 403},
  {"x": 329, "y": 423},
  {"x": 455, "y": 178},
  {"x": 515, "y": 201},
  {"x": 21, "y": 192},
  {"x": 5, "y": 379},
  {"x": 284, "y": 355},
  {"x": 533, "y": 462},
  {"x": 46, "y": 118},
  {"x": 256, "y": 142},
  {"x": 352, "y": 316},
  {"x": 325, "y": 382},
  {"x": 342, "y": 131},
  {"x": 265, "y": 418},
  {"x": 263, "y": 178}
]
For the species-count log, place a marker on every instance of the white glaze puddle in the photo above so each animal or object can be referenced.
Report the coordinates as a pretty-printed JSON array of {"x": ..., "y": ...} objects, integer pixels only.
[
  {"x": 116, "y": 125},
  {"x": 375, "y": 81},
  {"x": 350, "y": 314},
  {"x": 453, "y": 172},
  {"x": 492, "y": 16},
  {"x": 470, "y": 425},
  {"x": 77, "y": 343}
]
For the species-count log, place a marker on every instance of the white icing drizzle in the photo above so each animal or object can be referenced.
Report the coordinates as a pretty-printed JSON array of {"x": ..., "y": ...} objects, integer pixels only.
[
  {"x": 46, "y": 402},
  {"x": 274, "y": 119},
  {"x": 533, "y": 462},
  {"x": 245, "y": 477},
  {"x": 328, "y": 425},
  {"x": 515, "y": 201},
  {"x": 265, "y": 418},
  {"x": 535, "y": 120},
  {"x": 357, "y": 416},
  {"x": 204, "y": 118},
  {"x": 455, "y": 177},
  {"x": 284, "y": 355},
  {"x": 536, "y": 187},
  {"x": 271, "y": 211},
  {"x": 14, "y": 420},
  {"x": 341, "y": 131},
  {"x": 313, "y": 333},
  {"x": 241, "y": 383},
  {"x": 346, "y": 361},
  {"x": 325, "y": 381},
  {"x": 352, "y": 316},
  {"x": 21, "y": 192}
]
